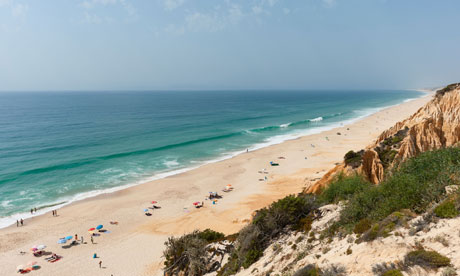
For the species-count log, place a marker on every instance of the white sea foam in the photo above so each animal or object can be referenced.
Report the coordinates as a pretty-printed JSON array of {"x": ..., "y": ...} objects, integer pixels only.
[
  {"x": 171, "y": 163},
  {"x": 285, "y": 125},
  {"x": 278, "y": 139},
  {"x": 316, "y": 119}
]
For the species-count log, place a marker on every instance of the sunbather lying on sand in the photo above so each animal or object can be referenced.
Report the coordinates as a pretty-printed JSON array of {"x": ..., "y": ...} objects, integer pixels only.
[
  {"x": 114, "y": 222},
  {"x": 53, "y": 258}
]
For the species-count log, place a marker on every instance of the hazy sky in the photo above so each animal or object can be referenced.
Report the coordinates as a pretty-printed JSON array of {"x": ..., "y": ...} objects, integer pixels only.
[{"x": 228, "y": 44}]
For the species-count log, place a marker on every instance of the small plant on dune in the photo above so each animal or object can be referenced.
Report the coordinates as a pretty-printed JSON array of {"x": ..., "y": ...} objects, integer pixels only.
[
  {"x": 387, "y": 269},
  {"x": 449, "y": 271},
  {"x": 334, "y": 270},
  {"x": 426, "y": 259},
  {"x": 309, "y": 270},
  {"x": 353, "y": 159},
  {"x": 393, "y": 272},
  {"x": 446, "y": 209}
]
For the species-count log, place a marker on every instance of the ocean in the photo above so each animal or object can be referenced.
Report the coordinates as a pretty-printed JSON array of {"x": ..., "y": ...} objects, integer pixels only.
[{"x": 60, "y": 147}]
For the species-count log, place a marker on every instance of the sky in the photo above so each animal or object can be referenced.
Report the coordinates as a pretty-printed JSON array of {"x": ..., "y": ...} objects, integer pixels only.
[{"x": 229, "y": 44}]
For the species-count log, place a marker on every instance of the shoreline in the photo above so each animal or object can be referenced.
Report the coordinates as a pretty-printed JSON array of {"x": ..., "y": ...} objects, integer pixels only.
[
  {"x": 143, "y": 237},
  {"x": 61, "y": 203}
]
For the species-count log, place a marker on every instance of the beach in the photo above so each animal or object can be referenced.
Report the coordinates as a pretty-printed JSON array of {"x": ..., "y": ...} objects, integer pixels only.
[{"x": 134, "y": 246}]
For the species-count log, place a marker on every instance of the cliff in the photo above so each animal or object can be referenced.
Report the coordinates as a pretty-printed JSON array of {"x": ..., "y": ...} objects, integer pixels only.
[{"x": 434, "y": 126}]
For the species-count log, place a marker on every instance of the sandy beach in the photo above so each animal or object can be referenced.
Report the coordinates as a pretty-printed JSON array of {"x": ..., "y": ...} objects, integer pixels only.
[{"x": 135, "y": 245}]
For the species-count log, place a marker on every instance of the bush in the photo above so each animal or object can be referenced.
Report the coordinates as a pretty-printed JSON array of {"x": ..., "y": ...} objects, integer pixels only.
[
  {"x": 393, "y": 272},
  {"x": 387, "y": 269},
  {"x": 415, "y": 185},
  {"x": 188, "y": 253},
  {"x": 342, "y": 188},
  {"x": 362, "y": 226},
  {"x": 211, "y": 236},
  {"x": 426, "y": 259},
  {"x": 334, "y": 270},
  {"x": 309, "y": 270},
  {"x": 385, "y": 226},
  {"x": 353, "y": 159},
  {"x": 449, "y": 271},
  {"x": 446, "y": 210},
  {"x": 268, "y": 223}
]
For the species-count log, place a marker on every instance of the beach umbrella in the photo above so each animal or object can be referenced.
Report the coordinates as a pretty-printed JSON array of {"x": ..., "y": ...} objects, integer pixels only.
[
  {"x": 91, "y": 229},
  {"x": 196, "y": 203},
  {"x": 41, "y": 247},
  {"x": 68, "y": 238},
  {"x": 20, "y": 267},
  {"x": 31, "y": 263},
  {"x": 61, "y": 241},
  {"x": 146, "y": 210},
  {"x": 99, "y": 227},
  {"x": 153, "y": 202}
]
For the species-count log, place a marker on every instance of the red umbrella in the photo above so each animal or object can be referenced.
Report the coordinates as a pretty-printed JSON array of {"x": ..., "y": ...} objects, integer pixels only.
[
  {"x": 153, "y": 202},
  {"x": 196, "y": 203},
  {"x": 92, "y": 229}
]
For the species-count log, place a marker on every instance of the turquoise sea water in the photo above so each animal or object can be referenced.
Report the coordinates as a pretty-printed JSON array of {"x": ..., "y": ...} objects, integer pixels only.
[{"x": 56, "y": 148}]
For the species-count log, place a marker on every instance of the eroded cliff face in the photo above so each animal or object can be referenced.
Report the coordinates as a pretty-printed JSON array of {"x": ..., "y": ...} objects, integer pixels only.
[{"x": 434, "y": 126}]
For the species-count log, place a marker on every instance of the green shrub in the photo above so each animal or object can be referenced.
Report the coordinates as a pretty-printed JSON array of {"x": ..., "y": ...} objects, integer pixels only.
[
  {"x": 362, "y": 226},
  {"x": 415, "y": 185},
  {"x": 393, "y": 272},
  {"x": 268, "y": 223},
  {"x": 186, "y": 254},
  {"x": 353, "y": 159},
  {"x": 426, "y": 259},
  {"x": 385, "y": 226},
  {"x": 211, "y": 236},
  {"x": 343, "y": 187},
  {"x": 309, "y": 270},
  {"x": 446, "y": 210}
]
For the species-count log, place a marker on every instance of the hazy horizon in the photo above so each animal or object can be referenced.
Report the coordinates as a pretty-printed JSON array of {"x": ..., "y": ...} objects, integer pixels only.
[{"x": 175, "y": 45}]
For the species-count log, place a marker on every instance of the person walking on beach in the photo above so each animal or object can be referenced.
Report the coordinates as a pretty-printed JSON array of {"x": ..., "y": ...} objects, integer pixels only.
[
  {"x": 53, "y": 213},
  {"x": 17, "y": 223},
  {"x": 22, "y": 222},
  {"x": 76, "y": 237},
  {"x": 31, "y": 211},
  {"x": 100, "y": 264},
  {"x": 81, "y": 239},
  {"x": 35, "y": 210},
  {"x": 92, "y": 241}
]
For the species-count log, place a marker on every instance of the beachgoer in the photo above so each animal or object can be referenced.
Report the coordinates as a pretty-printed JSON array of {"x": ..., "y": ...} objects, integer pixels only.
[
  {"x": 100, "y": 264},
  {"x": 202, "y": 203},
  {"x": 81, "y": 239},
  {"x": 35, "y": 210},
  {"x": 55, "y": 213},
  {"x": 94, "y": 256},
  {"x": 76, "y": 237},
  {"x": 31, "y": 211},
  {"x": 247, "y": 150},
  {"x": 22, "y": 222},
  {"x": 92, "y": 241},
  {"x": 17, "y": 223}
]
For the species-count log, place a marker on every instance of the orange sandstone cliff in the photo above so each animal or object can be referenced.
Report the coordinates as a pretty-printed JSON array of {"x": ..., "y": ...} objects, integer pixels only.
[{"x": 435, "y": 125}]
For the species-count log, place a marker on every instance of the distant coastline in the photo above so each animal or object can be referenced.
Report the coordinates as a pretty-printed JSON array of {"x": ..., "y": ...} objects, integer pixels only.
[{"x": 274, "y": 140}]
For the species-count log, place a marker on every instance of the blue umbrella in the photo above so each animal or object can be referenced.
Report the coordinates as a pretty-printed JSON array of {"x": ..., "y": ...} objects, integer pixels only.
[
  {"x": 146, "y": 210},
  {"x": 68, "y": 237},
  {"x": 99, "y": 227},
  {"x": 62, "y": 241}
]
